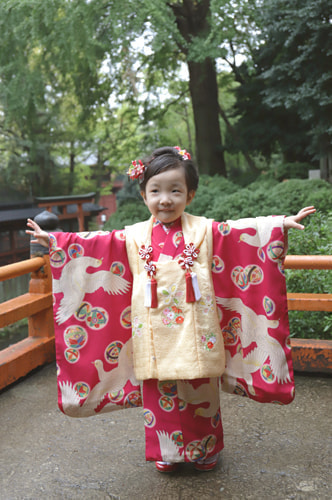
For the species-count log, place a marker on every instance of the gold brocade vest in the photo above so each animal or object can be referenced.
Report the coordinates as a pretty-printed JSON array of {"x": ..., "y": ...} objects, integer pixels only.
[{"x": 176, "y": 340}]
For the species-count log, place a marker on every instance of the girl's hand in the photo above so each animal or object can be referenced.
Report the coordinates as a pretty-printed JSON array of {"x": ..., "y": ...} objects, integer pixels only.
[
  {"x": 40, "y": 236},
  {"x": 293, "y": 220}
]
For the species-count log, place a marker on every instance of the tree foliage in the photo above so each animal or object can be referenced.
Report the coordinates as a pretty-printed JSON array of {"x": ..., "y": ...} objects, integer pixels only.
[
  {"x": 285, "y": 97},
  {"x": 61, "y": 61},
  {"x": 56, "y": 116},
  {"x": 105, "y": 79}
]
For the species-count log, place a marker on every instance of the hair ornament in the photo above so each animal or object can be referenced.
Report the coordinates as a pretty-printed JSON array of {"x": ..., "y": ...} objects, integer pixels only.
[
  {"x": 136, "y": 170},
  {"x": 185, "y": 155}
]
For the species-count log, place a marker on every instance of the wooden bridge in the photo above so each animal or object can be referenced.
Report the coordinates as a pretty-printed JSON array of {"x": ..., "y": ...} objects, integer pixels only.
[{"x": 38, "y": 348}]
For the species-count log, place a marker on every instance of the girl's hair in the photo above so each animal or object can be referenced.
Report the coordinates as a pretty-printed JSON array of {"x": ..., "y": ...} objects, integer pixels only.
[{"x": 168, "y": 158}]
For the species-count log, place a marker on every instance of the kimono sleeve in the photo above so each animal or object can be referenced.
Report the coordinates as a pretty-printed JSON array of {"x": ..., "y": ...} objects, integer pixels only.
[
  {"x": 92, "y": 317},
  {"x": 251, "y": 297}
]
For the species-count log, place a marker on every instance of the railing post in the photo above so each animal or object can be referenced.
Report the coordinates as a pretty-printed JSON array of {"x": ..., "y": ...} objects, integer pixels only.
[{"x": 41, "y": 324}]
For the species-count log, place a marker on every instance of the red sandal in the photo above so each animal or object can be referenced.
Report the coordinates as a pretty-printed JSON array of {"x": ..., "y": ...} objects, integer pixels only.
[
  {"x": 207, "y": 464},
  {"x": 166, "y": 466}
]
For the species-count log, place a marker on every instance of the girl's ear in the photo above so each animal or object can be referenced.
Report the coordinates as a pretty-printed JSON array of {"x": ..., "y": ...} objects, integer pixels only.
[
  {"x": 143, "y": 196},
  {"x": 190, "y": 196}
]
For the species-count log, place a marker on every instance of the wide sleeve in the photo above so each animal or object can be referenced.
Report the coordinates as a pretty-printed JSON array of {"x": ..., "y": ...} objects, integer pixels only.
[
  {"x": 92, "y": 286},
  {"x": 250, "y": 290}
]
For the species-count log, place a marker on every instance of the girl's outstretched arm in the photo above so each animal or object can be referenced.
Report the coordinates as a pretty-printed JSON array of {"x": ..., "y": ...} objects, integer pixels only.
[
  {"x": 40, "y": 236},
  {"x": 293, "y": 220}
]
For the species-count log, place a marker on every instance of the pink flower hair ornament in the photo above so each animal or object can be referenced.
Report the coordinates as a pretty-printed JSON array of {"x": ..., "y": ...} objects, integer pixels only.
[
  {"x": 136, "y": 170},
  {"x": 185, "y": 155}
]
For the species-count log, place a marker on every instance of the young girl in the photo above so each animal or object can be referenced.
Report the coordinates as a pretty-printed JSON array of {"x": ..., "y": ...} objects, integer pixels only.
[{"x": 160, "y": 308}]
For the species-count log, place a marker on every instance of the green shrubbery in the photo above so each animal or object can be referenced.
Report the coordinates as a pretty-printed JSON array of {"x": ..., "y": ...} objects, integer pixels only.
[
  {"x": 315, "y": 240},
  {"x": 128, "y": 213},
  {"x": 222, "y": 199},
  {"x": 267, "y": 196}
]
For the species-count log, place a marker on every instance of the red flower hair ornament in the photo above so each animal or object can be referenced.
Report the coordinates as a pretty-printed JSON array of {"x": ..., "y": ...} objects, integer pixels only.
[{"x": 136, "y": 170}]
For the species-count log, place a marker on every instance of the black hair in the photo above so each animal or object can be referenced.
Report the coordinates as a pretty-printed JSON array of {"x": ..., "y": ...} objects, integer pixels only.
[{"x": 168, "y": 158}]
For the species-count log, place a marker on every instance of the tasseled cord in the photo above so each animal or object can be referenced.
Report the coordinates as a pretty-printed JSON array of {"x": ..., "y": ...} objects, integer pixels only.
[
  {"x": 151, "y": 298},
  {"x": 193, "y": 293}
]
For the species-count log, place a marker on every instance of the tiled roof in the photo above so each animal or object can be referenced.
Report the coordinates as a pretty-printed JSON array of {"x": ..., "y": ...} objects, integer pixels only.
[{"x": 19, "y": 214}]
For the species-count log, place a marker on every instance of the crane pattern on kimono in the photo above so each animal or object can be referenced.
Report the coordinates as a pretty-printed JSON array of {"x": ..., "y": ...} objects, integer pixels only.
[
  {"x": 169, "y": 451},
  {"x": 75, "y": 282},
  {"x": 194, "y": 451},
  {"x": 263, "y": 228},
  {"x": 205, "y": 393},
  {"x": 109, "y": 382},
  {"x": 254, "y": 328}
]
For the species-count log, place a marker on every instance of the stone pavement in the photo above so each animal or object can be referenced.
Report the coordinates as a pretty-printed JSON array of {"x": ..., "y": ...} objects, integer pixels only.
[{"x": 277, "y": 452}]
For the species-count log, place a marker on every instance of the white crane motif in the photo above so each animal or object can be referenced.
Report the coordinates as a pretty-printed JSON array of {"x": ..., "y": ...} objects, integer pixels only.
[
  {"x": 205, "y": 393},
  {"x": 109, "y": 381},
  {"x": 262, "y": 225},
  {"x": 254, "y": 328},
  {"x": 75, "y": 282},
  {"x": 168, "y": 449}
]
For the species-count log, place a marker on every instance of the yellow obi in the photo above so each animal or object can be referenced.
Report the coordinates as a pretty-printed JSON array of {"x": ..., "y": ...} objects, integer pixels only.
[{"x": 176, "y": 340}]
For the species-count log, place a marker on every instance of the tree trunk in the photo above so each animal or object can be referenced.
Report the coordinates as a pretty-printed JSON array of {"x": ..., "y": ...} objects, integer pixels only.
[
  {"x": 326, "y": 167},
  {"x": 192, "y": 19},
  {"x": 236, "y": 137},
  {"x": 204, "y": 96},
  {"x": 71, "y": 169}
]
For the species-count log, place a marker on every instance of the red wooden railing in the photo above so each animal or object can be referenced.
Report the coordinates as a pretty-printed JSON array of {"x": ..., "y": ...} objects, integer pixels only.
[
  {"x": 310, "y": 355},
  {"x": 38, "y": 348}
]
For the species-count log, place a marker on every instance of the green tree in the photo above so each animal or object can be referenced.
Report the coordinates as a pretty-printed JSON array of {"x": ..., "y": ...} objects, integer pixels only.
[
  {"x": 48, "y": 92},
  {"x": 29, "y": 110},
  {"x": 195, "y": 34},
  {"x": 82, "y": 52},
  {"x": 285, "y": 92},
  {"x": 171, "y": 32},
  {"x": 300, "y": 76}
]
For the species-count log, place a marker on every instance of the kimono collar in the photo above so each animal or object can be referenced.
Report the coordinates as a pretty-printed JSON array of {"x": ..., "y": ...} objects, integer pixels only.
[{"x": 193, "y": 228}]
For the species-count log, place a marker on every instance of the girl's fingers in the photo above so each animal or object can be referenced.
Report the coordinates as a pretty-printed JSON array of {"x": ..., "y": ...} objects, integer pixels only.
[
  {"x": 34, "y": 226},
  {"x": 304, "y": 212},
  {"x": 293, "y": 220}
]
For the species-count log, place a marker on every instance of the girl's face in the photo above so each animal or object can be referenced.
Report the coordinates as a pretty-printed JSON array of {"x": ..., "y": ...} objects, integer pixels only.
[{"x": 166, "y": 195}]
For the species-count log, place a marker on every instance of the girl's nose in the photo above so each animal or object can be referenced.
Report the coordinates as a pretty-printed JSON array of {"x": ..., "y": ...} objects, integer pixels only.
[{"x": 164, "y": 199}]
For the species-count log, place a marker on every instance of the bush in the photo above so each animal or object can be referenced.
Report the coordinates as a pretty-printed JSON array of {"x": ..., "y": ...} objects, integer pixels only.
[
  {"x": 289, "y": 196},
  {"x": 209, "y": 190},
  {"x": 266, "y": 197},
  {"x": 315, "y": 240},
  {"x": 128, "y": 213}
]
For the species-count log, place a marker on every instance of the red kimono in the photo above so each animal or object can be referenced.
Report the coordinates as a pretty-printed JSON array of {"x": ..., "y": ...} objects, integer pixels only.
[{"x": 92, "y": 298}]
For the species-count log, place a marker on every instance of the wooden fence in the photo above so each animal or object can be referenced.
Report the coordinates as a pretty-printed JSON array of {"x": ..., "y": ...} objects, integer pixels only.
[
  {"x": 38, "y": 348},
  {"x": 310, "y": 355}
]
